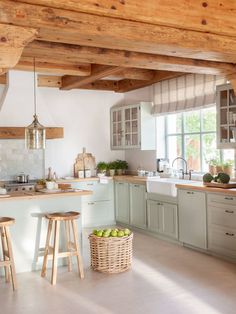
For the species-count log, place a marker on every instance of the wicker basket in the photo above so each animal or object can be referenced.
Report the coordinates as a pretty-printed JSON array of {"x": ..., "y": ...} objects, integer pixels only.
[{"x": 111, "y": 255}]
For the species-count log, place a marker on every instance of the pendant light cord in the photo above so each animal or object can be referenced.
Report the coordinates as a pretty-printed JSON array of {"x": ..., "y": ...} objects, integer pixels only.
[{"x": 34, "y": 89}]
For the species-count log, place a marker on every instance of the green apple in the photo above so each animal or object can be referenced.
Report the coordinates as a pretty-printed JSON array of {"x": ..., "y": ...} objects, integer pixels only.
[
  {"x": 108, "y": 230},
  {"x": 127, "y": 232},
  {"x": 114, "y": 233},
  {"x": 95, "y": 232},
  {"x": 99, "y": 233},
  {"x": 120, "y": 233},
  {"x": 106, "y": 234}
]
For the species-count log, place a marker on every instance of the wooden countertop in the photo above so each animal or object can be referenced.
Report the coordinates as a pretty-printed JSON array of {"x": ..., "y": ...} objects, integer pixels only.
[
  {"x": 131, "y": 179},
  {"x": 198, "y": 186},
  {"x": 40, "y": 195}
]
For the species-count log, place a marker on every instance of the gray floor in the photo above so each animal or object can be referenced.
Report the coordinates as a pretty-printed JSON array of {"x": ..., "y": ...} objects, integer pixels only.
[{"x": 165, "y": 278}]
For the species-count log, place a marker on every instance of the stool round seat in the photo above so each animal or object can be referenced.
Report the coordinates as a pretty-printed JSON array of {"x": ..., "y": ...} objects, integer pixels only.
[
  {"x": 6, "y": 221},
  {"x": 63, "y": 216}
]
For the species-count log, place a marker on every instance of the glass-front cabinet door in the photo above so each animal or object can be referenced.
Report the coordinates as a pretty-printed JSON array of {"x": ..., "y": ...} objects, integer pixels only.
[
  {"x": 117, "y": 128},
  {"x": 226, "y": 116},
  {"x": 131, "y": 121},
  {"x": 125, "y": 123}
]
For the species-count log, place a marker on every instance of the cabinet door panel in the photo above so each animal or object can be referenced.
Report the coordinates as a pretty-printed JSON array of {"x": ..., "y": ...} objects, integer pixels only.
[
  {"x": 153, "y": 216},
  {"x": 97, "y": 213},
  {"x": 169, "y": 220},
  {"x": 192, "y": 218},
  {"x": 122, "y": 202},
  {"x": 138, "y": 205}
]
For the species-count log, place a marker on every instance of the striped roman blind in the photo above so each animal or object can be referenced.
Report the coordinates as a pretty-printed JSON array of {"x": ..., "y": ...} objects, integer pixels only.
[{"x": 185, "y": 93}]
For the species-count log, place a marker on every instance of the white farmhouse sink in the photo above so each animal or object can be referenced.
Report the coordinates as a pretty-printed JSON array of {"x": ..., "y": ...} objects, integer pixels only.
[{"x": 165, "y": 186}]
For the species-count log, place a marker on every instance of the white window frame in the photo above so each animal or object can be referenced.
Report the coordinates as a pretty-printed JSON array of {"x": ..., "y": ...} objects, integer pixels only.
[{"x": 183, "y": 134}]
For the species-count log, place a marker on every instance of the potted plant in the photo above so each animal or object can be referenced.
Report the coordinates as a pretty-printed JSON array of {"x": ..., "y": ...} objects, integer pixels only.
[
  {"x": 121, "y": 166},
  {"x": 228, "y": 167},
  {"x": 102, "y": 168},
  {"x": 212, "y": 166},
  {"x": 112, "y": 168}
]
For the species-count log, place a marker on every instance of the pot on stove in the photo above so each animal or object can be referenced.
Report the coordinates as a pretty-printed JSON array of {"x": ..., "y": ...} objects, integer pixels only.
[{"x": 22, "y": 178}]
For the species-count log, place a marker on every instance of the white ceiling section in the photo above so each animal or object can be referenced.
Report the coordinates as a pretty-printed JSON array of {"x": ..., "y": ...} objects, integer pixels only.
[{"x": 185, "y": 93}]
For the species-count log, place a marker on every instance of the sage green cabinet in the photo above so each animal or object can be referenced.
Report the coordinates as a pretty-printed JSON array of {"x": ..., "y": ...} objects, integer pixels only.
[
  {"x": 192, "y": 218},
  {"x": 138, "y": 205},
  {"x": 162, "y": 218},
  {"x": 122, "y": 202}
]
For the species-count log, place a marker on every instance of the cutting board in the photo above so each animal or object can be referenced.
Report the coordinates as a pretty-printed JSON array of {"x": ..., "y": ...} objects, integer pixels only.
[
  {"x": 220, "y": 185},
  {"x": 84, "y": 161}
]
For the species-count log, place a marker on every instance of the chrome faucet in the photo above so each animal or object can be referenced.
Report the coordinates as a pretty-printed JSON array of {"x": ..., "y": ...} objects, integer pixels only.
[{"x": 186, "y": 167}]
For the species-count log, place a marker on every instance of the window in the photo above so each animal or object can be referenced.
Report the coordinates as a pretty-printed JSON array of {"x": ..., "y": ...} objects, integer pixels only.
[{"x": 192, "y": 135}]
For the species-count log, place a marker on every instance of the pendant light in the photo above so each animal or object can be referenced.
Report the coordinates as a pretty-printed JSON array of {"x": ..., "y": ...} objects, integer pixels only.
[{"x": 35, "y": 133}]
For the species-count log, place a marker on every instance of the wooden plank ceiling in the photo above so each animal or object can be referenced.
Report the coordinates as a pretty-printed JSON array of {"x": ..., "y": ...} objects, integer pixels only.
[{"x": 117, "y": 45}]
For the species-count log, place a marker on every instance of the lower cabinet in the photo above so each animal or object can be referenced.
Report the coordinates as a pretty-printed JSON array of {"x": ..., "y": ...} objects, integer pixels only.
[
  {"x": 162, "y": 218},
  {"x": 98, "y": 208},
  {"x": 222, "y": 224},
  {"x": 130, "y": 204},
  {"x": 138, "y": 205},
  {"x": 192, "y": 218},
  {"x": 122, "y": 202}
]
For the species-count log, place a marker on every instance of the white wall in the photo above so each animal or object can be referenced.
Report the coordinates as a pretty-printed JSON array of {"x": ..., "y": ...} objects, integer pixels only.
[
  {"x": 84, "y": 115},
  {"x": 135, "y": 157}
]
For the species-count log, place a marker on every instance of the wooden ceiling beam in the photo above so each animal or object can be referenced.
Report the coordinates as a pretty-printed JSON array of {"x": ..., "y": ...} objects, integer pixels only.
[
  {"x": 136, "y": 74},
  {"x": 77, "y": 54},
  {"x": 97, "y": 73},
  {"x": 91, "y": 30},
  {"x": 55, "y": 81},
  {"x": 26, "y": 64},
  {"x": 12, "y": 41},
  {"x": 129, "y": 85},
  {"x": 217, "y": 17}
]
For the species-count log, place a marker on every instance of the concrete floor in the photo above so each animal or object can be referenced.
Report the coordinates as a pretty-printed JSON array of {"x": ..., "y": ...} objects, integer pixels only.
[{"x": 165, "y": 278}]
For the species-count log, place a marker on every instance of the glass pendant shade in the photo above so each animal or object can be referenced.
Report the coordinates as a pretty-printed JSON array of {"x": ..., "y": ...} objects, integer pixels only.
[{"x": 35, "y": 135}]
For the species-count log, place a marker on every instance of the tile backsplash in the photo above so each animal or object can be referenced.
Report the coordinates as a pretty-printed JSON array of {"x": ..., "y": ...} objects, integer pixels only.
[{"x": 15, "y": 158}]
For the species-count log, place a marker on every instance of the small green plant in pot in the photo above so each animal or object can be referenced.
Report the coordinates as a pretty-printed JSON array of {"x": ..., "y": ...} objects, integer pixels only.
[
  {"x": 228, "y": 167},
  {"x": 112, "y": 168},
  {"x": 102, "y": 168},
  {"x": 212, "y": 166},
  {"x": 121, "y": 166}
]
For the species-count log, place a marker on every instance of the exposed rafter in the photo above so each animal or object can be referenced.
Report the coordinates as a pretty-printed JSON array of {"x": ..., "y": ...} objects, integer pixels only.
[
  {"x": 217, "y": 17},
  {"x": 97, "y": 73},
  {"x": 26, "y": 64},
  {"x": 76, "y": 54},
  {"x": 12, "y": 41},
  {"x": 92, "y": 30}
]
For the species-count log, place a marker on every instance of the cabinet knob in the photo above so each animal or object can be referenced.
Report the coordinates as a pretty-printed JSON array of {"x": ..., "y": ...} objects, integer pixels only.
[
  {"x": 190, "y": 192},
  {"x": 229, "y": 211},
  {"x": 91, "y": 203},
  {"x": 229, "y": 234},
  {"x": 229, "y": 198},
  {"x": 136, "y": 185}
]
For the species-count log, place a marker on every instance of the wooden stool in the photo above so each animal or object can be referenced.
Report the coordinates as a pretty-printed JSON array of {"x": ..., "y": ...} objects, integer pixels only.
[
  {"x": 8, "y": 260},
  {"x": 72, "y": 247}
]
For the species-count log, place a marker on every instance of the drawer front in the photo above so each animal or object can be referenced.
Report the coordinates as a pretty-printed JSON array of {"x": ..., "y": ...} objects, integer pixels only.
[
  {"x": 223, "y": 199},
  {"x": 222, "y": 216},
  {"x": 222, "y": 241},
  {"x": 101, "y": 192},
  {"x": 97, "y": 213}
]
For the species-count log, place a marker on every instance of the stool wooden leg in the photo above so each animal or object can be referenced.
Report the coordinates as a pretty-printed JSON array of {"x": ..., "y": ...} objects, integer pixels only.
[
  {"x": 4, "y": 250},
  {"x": 68, "y": 241},
  {"x": 55, "y": 252},
  {"x": 11, "y": 258},
  {"x": 78, "y": 256},
  {"x": 44, "y": 268}
]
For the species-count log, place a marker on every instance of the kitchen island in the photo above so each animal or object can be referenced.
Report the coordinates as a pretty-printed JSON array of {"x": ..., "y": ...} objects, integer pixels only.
[{"x": 30, "y": 229}]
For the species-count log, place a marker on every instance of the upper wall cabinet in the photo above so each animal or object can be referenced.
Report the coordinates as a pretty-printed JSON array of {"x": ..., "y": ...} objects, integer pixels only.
[
  {"x": 133, "y": 126},
  {"x": 226, "y": 116}
]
